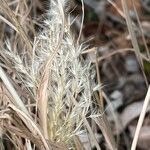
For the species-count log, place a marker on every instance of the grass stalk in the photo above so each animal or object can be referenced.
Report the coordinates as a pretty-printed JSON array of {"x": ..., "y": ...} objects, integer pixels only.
[
  {"x": 141, "y": 119},
  {"x": 16, "y": 99},
  {"x": 133, "y": 38}
]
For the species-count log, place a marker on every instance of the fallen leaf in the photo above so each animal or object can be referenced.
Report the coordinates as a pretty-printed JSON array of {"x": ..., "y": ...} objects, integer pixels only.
[{"x": 131, "y": 112}]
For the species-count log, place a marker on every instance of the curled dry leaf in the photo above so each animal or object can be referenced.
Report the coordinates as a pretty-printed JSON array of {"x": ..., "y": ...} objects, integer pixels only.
[{"x": 131, "y": 112}]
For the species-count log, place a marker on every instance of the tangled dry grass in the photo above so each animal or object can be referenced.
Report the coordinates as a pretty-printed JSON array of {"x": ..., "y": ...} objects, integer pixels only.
[{"x": 46, "y": 95}]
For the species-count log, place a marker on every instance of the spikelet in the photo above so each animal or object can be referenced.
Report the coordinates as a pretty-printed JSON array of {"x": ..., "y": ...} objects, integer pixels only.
[{"x": 68, "y": 90}]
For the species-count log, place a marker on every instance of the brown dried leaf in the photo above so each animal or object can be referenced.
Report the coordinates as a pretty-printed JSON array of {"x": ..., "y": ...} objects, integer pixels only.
[{"x": 131, "y": 112}]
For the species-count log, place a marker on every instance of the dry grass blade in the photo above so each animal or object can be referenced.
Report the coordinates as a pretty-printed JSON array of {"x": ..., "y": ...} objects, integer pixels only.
[
  {"x": 82, "y": 20},
  {"x": 106, "y": 56},
  {"x": 101, "y": 100},
  {"x": 78, "y": 144},
  {"x": 29, "y": 122},
  {"x": 6, "y": 10},
  {"x": 104, "y": 125},
  {"x": 118, "y": 9},
  {"x": 133, "y": 37},
  {"x": 141, "y": 119},
  {"x": 103, "y": 122},
  {"x": 17, "y": 101},
  {"x": 140, "y": 26},
  {"x": 115, "y": 117},
  {"x": 8, "y": 22},
  {"x": 92, "y": 135},
  {"x": 42, "y": 103}
]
